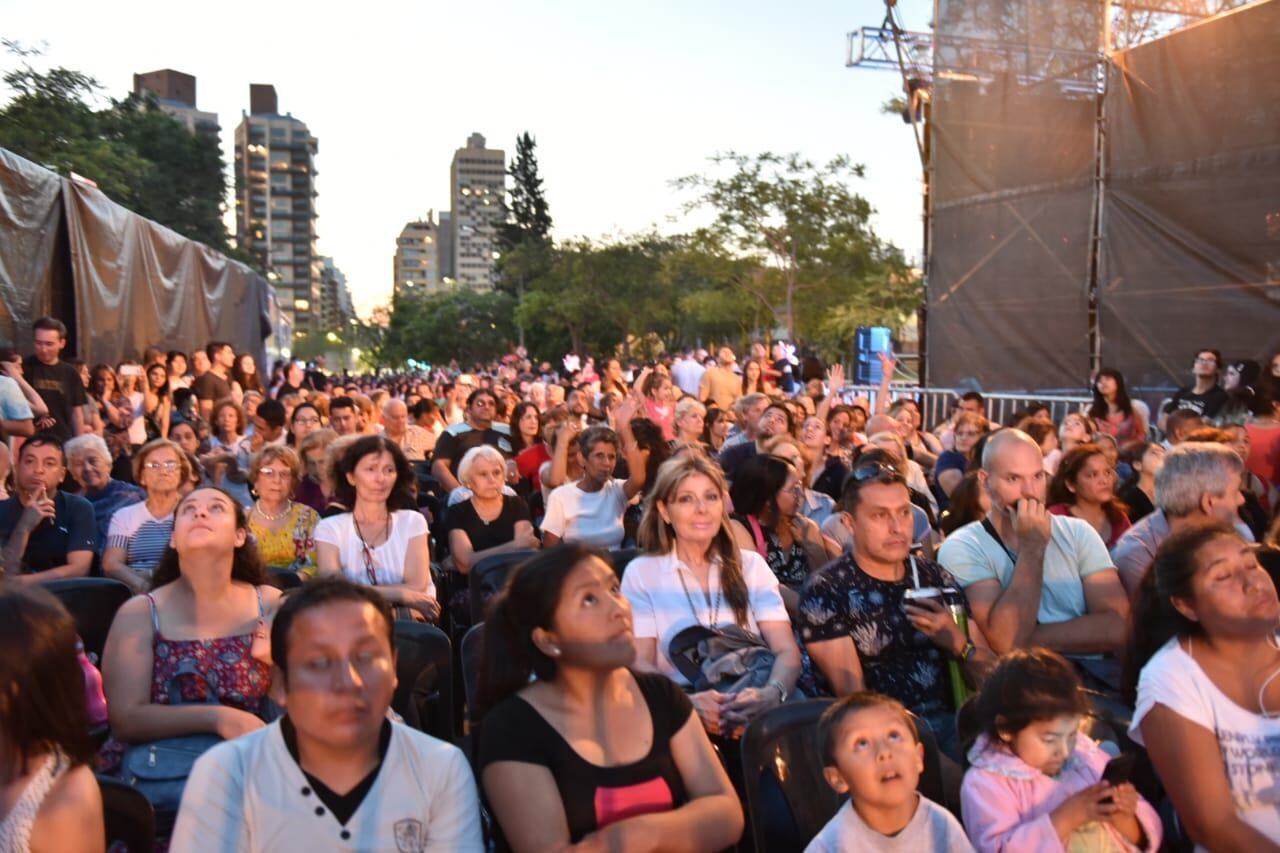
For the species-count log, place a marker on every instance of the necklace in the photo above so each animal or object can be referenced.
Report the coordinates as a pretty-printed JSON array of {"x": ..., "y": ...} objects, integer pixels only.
[
  {"x": 288, "y": 507},
  {"x": 715, "y": 606}
]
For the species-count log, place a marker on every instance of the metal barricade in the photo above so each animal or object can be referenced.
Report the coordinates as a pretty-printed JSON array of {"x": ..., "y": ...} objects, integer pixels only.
[{"x": 936, "y": 403}]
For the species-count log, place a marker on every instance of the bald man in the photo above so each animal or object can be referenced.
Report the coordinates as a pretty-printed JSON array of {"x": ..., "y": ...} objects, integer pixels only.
[
  {"x": 1035, "y": 579},
  {"x": 415, "y": 441}
]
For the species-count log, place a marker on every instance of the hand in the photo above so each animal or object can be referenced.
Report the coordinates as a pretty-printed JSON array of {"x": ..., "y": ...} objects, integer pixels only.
[
  {"x": 1125, "y": 819},
  {"x": 423, "y": 603},
  {"x": 935, "y": 621},
  {"x": 12, "y": 369},
  {"x": 1031, "y": 521},
  {"x": 707, "y": 704},
  {"x": 887, "y": 363},
  {"x": 625, "y": 411},
  {"x": 741, "y": 708},
  {"x": 526, "y": 539},
  {"x": 806, "y": 531},
  {"x": 835, "y": 378},
  {"x": 1083, "y": 807},
  {"x": 39, "y": 508},
  {"x": 46, "y": 422},
  {"x": 232, "y": 722}
]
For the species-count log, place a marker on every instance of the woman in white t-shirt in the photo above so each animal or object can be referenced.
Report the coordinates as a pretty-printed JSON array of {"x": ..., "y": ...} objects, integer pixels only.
[
  {"x": 1207, "y": 702},
  {"x": 382, "y": 542},
  {"x": 693, "y": 573}
]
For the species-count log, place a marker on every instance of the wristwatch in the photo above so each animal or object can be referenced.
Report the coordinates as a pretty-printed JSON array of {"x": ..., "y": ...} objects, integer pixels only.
[
  {"x": 782, "y": 691},
  {"x": 968, "y": 651}
]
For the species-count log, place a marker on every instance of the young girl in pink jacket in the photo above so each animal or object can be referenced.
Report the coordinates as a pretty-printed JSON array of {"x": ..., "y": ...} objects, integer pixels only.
[{"x": 1034, "y": 782}]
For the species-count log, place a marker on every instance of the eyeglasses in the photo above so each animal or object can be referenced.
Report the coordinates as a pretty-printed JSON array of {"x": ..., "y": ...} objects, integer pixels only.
[
  {"x": 306, "y": 421},
  {"x": 872, "y": 470},
  {"x": 280, "y": 473},
  {"x": 161, "y": 466}
]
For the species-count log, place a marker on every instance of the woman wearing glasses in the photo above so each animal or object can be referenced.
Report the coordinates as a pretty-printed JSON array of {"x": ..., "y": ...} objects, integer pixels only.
[
  {"x": 382, "y": 540},
  {"x": 692, "y": 572},
  {"x": 140, "y": 533},
  {"x": 283, "y": 528},
  {"x": 952, "y": 464},
  {"x": 304, "y": 420}
]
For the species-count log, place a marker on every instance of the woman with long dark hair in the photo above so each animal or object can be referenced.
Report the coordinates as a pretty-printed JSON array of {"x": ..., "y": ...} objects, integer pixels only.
[
  {"x": 526, "y": 429},
  {"x": 50, "y": 799},
  {"x": 381, "y": 540},
  {"x": 208, "y": 606},
  {"x": 1085, "y": 486},
  {"x": 1112, "y": 410},
  {"x": 576, "y": 747},
  {"x": 693, "y": 572},
  {"x": 245, "y": 374},
  {"x": 1202, "y": 675}
]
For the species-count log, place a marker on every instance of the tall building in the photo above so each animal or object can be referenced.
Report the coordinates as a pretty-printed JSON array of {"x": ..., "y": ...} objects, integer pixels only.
[
  {"x": 336, "y": 309},
  {"x": 417, "y": 259},
  {"x": 477, "y": 187},
  {"x": 448, "y": 275},
  {"x": 176, "y": 94},
  {"x": 275, "y": 205}
]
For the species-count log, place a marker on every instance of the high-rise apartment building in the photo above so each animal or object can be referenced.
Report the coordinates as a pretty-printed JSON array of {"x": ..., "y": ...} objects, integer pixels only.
[
  {"x": 336, "y": 309},
  {"x": 477, "y": 187},
  {"x": 175, "y": 92},
  {"x": 275, "y": 205},
  {"x": 444, "y": 243},
  {"x": 417, "y": 259}
]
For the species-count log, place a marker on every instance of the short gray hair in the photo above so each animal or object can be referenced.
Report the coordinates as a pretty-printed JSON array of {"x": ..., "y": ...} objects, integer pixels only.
[
  {"x": 476, "y": 454},
  {"x": 1192, "y": 470},
  {"x": 688, "y": 404},
  {"x": 87, "y": 443},
  {"x": 746, "y": 401}
]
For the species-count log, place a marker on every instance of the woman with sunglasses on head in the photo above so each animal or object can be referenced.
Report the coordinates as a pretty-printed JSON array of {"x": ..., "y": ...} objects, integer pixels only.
[{"x": 381, "y": 540}]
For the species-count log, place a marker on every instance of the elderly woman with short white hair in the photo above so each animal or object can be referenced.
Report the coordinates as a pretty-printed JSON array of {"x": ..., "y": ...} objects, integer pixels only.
[
  {"x": 490, "y": 521},
  {"x": 89, "y": 461},
  {"x": 690, "y": 418}
]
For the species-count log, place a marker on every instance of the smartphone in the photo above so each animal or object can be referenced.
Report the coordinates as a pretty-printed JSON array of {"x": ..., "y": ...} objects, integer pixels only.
[
  {"x": 130, "y": 370},
  {"x": 1119, "y": 771}
]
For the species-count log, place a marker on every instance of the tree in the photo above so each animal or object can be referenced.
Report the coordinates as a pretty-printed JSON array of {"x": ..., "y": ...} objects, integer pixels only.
[
  {"x": 528, "y": 218},
  {"x": 805, "y": 235},
  {"x": 135, "y": 153},
  {"x": 469, "y": 325}
]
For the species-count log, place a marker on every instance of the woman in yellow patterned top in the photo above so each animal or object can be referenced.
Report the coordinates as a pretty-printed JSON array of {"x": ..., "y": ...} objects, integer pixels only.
[{"x": 282, "y": 527}]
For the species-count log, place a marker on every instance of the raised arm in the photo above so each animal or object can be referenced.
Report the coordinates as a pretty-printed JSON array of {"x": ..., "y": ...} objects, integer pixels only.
[{"x": 625, "y": 411}]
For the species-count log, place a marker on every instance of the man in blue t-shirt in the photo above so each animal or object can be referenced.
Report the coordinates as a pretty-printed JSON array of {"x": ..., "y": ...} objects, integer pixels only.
[{"x": 47, "y": 534}]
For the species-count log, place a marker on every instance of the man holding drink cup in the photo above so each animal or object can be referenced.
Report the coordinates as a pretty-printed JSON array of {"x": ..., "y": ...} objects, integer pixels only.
[{"x": 882, "y": 619}]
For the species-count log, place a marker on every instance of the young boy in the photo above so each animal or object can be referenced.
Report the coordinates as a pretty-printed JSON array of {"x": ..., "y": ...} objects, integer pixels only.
[{"x": 871, "y": 751}]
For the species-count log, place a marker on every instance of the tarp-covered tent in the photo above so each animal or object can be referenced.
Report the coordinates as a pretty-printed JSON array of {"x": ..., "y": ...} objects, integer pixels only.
[{"x": 133, "y": 282}]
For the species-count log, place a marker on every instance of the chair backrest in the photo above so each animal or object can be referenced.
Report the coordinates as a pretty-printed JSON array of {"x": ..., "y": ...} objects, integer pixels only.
[
  {"x": 129, "y": 818},
  {"x": 424, "y": 670},
  {"x": 488, "y": 576},
  {"x": 92, "y": 603},
  {"x": 620, "y": 558},
  {"x": 787, "y": 797},
  {"x": 472, "y": 644}
]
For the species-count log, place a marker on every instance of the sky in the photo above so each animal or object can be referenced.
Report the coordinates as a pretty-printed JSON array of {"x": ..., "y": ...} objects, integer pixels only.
[{"x": 622, "y": 98}]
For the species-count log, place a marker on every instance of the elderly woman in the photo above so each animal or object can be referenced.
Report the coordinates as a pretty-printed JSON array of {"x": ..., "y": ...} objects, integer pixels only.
[
  {"x": 690, "y": 420},
  {"x": 489, "y": 522},
  {"x": 694, "y": 573},
  {"x": 284, "y": 530},
  {"x": 89, "y": 460},
  {"x": 312, "y": 452},
  {"x": 139, "y": 534}
]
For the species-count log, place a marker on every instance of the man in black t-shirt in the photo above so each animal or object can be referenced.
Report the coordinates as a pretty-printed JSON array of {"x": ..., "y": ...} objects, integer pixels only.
[
  {"x": 47, "y": 534},
  {"x": 57, "y": 382},
  {"x": 215, "y": 385},
  {"x": 478, "y": 429},
  {"x": 856, "y": 622},
  {"x": 1204, "y": 396}
]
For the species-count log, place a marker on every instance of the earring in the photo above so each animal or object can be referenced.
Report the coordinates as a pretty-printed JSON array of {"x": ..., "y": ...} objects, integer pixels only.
[{"x": 554, "y": 652}]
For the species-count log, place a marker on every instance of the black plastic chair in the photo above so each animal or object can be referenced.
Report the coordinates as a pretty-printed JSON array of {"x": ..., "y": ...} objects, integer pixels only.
[
  {"x": 472, "y": 643},
  {"x": 620, "y": 558},
  {"x": 487, "y": 578},
  {"x": 424, "y": 670},
  {"x": 787, "y": 797},
  {"x": 130, "y": 820},
  {"x": 92, "y": 603}
]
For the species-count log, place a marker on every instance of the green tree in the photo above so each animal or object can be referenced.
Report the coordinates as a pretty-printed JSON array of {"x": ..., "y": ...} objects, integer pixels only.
[
  {"x": 524, "y": 236},
  {"x": 465, "y": 324},
  {"x": 805, "y": 235}
]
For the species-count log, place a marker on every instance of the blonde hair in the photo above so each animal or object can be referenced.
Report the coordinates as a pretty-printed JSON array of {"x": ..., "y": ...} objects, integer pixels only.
[
  {"x": 688, "y": 404},
  {"x": 656, "y": 535},
  {"x": 777, "y": 441}
]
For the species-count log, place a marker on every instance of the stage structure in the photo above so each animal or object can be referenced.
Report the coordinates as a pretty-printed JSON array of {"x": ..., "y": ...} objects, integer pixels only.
[{"x": 1102, "y": 185}]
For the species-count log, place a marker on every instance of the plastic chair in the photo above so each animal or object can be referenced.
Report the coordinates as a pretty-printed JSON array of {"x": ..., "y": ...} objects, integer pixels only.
[
  {"x": 788, "y": 799},
  {"x": 424, "y": 670},
  {"x": 488, "y": 576},
  {"x": 92, "y": 603},
  {"x": 130, "y": 820},
  {"x": 472, "y": 643}
]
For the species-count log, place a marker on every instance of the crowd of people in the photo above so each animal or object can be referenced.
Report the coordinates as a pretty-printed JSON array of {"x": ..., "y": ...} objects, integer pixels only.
[{"x": 700, "y": 540}]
